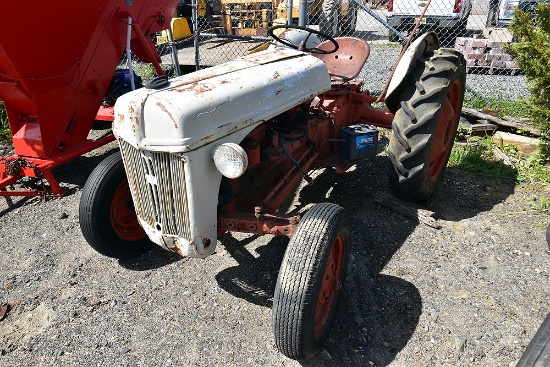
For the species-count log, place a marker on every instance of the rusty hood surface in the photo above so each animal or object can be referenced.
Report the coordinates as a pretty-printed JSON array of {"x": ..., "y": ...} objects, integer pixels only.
[{"x": 199, "y": 108}]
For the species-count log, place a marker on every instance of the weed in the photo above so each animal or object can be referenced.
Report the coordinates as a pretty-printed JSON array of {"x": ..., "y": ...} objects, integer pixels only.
[
  {"x": 477, "y": 156},
  {"x": 532, "y": 52},
  {"x": 514, "y": 108},
  {"x": 543, "y": 204},
  {"x": 4, "y": 126},
  {"x": 533, "y": 170}
]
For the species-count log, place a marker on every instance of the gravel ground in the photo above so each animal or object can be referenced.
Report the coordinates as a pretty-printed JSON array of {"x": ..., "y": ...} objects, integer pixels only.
[
  {"x": 470, "y": 294},
  {"x": 382, "y": 59}
]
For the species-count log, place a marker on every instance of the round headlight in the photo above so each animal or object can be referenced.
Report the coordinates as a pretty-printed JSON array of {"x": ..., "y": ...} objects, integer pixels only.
[{"x": 230, "y": 159}]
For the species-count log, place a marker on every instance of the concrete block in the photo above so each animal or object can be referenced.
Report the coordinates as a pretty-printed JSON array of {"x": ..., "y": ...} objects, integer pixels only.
[
  {"x": 523, "y": 144},
  {"x": 479, "y": 43},
  {"x": 465, "y": 41},
  {"x": 475, "y": 56},
  {"x": 498, "y": 64},
  {"x": 498, "y": 34}
]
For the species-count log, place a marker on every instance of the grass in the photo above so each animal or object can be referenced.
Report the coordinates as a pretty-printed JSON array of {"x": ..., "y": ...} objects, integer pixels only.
[
  {"x": 386, "y": 45},
  {"x": 4, "y": 126},
  {"x": 477, "y": 156},
  {"x": 515, "y": 108},
  {"x": 543, "y": 204}
]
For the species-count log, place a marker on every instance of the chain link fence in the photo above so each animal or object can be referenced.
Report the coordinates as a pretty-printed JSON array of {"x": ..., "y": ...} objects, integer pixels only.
[
  {"x": 222, "y": 30},
  {"x": 476, "y": 28}
]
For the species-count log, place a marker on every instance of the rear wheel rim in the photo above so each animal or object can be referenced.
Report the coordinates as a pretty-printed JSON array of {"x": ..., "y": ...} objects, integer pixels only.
[
  {"x": 330, "y": 286},
  {"x": 447, "y": 123},
  {"x": 123, "y": 216}
]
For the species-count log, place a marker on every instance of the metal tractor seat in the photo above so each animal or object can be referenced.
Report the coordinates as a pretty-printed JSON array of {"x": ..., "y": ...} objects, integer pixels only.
[{"x": 348, "y": 61}]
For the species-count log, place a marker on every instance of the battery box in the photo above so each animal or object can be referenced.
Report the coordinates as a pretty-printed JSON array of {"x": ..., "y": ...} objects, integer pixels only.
[{"x": 360, "y": 141}]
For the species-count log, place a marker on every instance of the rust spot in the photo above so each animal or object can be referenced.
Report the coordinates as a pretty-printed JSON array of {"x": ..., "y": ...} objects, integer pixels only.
[
  {"x": 205, "y": 241},
  {"x": 161, "y": 106},
  {"x": 177, "y": 250},
  {"x": 276, "y": 75},
  {"x": 136, "y": 120},
  {"x": 206, "y": 138},
  {"x": 201, "y": 88},
  {"x": 119, "y": 118},
  {"x": 183, "y": 88}
]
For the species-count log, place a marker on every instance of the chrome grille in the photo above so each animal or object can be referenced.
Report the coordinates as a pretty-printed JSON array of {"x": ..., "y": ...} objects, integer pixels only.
[{"x": 157, "y": 182}]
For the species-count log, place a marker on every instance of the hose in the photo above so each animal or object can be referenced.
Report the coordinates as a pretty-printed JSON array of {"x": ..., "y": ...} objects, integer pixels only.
[{"x": 306, "y": 176}]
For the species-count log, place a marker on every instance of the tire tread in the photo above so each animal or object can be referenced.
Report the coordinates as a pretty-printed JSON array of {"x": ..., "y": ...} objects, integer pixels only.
[
  {"x": 295, "y": 295},
  {"x": 415, "y": 122}
]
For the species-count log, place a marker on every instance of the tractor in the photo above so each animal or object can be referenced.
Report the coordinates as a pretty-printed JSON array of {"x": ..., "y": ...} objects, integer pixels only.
[{"x": 221, "y": 149}]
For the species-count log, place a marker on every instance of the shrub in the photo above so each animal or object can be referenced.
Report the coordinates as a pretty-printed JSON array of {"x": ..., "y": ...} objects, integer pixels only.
[
  {"x": 532, "y": 52},
  {"x": 4, "y": 126}
]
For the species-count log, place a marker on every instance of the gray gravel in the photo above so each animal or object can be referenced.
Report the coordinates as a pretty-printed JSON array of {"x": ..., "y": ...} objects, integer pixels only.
[
  {"x": 383, "y": 56},
  {"x": 470, "y": 294}
]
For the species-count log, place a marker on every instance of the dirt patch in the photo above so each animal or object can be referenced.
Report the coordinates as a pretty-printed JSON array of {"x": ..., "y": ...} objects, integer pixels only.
[{"x": 19, "y": 327}]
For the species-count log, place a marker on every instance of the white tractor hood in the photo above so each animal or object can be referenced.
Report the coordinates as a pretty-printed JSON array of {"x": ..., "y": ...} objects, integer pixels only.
[
  {"x": 199, "y": 108},
  {"x": 166, "y": 138}
]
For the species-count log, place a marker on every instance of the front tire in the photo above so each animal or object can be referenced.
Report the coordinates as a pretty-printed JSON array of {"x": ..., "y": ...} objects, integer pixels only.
[
  {"x": 309, "y": 286},
  {"x": 106, "y": 213},
  {"x": 425, "y": 124}
]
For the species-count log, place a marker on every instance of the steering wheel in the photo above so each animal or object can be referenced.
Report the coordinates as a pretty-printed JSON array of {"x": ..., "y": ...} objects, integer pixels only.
[{"x": 302, "y": 45}]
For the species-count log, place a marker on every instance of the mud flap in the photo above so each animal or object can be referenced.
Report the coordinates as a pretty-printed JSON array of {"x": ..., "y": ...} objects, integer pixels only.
[{"x": 538, "y": 350}]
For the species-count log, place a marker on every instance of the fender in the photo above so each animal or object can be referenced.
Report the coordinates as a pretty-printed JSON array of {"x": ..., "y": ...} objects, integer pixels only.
[{"x": 427, "y": 42}]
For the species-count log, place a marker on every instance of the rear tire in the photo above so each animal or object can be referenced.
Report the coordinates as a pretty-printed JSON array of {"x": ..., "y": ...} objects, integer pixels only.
[
  {"x": 492, "y": 14},
  {"x": 392, "y": 37},
  {"x": 424, "y": 126},
  {"x": 106, "y": 213},
  {"x": 328, "y": 23},
  {"x": 309, "y": 286},
  {"x": 349, "y": 23}
]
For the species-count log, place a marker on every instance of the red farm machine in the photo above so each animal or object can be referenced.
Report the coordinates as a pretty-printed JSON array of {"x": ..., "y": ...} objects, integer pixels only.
[
  {"x": 221, "y": 149},
  {"x": 55, "y": 71}
]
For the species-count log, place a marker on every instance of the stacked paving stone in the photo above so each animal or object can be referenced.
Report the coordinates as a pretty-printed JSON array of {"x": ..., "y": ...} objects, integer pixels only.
[{"x": 486, "y": 53}]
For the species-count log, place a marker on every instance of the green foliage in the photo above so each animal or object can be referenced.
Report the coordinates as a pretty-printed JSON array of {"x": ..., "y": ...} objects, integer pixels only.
[
  {"x": 517, "y": 108},
  {"x": 532, "y": 53},
  {"x": 533, "y": 170},
  {"x": 4, "y": 126},
  {"x": 542, "y": 204},
  {"x": 477, "y": 156}
]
